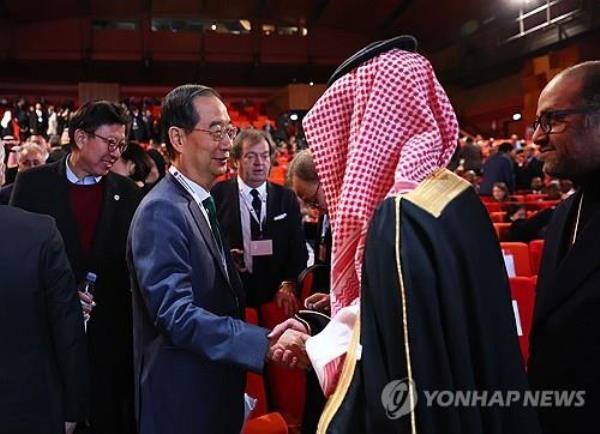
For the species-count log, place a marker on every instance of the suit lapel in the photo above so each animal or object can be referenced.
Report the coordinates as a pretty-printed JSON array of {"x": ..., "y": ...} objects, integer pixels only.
[
  {"x": 562, "y": 278},
  {"x": 110, "y": 204},
  {"x": 270, "y": 211},
  {"x": 204, "y": 230}
]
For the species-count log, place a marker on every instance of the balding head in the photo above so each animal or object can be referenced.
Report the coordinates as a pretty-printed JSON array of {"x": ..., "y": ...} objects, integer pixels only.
[
  {"x": 587, "y": 76},
  {"x": 568, "y": 124}
]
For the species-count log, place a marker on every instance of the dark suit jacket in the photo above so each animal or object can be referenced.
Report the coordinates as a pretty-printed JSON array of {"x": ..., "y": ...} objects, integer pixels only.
[
  {"x": 498, "y": 168},
  {"x": 289, "y": 248},
  {"x": 44, "y": 190},
  {"x": 43, "y": 371},
  {"x": 565, "y": 336},
  {"x": 5, "y": 193},
  {"x": 192, "y": 347}
]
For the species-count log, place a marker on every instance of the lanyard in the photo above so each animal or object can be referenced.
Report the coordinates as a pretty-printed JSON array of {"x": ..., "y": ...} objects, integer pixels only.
[
  {"x": 250, "y": 209},
  {"x": 179, "y": 177}
]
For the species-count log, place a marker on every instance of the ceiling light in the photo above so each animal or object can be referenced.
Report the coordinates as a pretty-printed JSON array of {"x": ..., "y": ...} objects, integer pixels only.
[
  {"x": 516, "y": 117},
  {"x": 294, "y": 117}
]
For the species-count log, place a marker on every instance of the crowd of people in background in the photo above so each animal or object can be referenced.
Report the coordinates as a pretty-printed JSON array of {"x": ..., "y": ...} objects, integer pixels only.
[{"x": 37, "y": 133}]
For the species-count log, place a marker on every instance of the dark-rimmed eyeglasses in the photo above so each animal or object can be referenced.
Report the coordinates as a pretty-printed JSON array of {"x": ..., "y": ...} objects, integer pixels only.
[
  {"x": 218, "y": 135},
  {"x": 553, "y": 121},
  {"x": 112, "y": 143}
]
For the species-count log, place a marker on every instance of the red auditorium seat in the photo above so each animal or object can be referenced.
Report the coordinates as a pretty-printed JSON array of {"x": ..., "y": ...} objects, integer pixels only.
[
  {"x": 493, "y": 206},
  {"x": 536, "y": 206},
  {"x": 523, "y": 295},
  {"x": 287, "y": 387},
  {"x": 520, "y": 254},
  {"x": 535, "y": 253},
  {"x": 534, "y": 197},
  {"x": 518, "y": 198},
  {"x": 272, "y": 423},
  {"x": 502, "y": 230},
  {"x": 498, "y": 216},
  {"x": 261, "y": 421}
]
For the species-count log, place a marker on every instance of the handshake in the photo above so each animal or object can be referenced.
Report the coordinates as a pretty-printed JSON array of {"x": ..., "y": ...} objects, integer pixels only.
[
  {"x": 287, "y": 345},
  {"x": 287, "y": 341}
]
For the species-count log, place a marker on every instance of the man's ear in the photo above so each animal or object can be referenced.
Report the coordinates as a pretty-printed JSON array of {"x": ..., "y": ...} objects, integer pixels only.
[
  {"x": 80, "y": 138},
  {"x": 177, "y": 138}
]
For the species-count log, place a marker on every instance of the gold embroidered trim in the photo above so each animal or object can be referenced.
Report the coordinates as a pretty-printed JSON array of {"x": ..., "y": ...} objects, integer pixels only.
[
  {"x": 434, "y": 193},
  {"x": 335, "y": 401},
  {"x": 411, "y": 396}
]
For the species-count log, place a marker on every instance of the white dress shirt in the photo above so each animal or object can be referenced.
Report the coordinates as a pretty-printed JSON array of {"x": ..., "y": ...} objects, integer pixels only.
[{"x": 245, "y": 207}]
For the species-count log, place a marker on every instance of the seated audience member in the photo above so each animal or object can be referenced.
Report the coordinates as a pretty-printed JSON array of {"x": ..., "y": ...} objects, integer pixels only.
[
  {"x": 29, "y": 155},
  {"x": 135, "y": 164},
  {"x": 515, "y": 212},
  {"x": 525, "y": 229},
  {"x": 500, "y": 192},
  {"x": 471, "y": 177},
  {"x": 553, "y": 191},
  {"x": 566, "y": 188},
  {"x": 537, "y": 185},
  {"x": 159, "y": 163}
]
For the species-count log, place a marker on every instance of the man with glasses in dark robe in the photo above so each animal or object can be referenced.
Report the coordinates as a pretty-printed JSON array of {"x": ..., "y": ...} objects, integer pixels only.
[{"x": 565, "y": 336}]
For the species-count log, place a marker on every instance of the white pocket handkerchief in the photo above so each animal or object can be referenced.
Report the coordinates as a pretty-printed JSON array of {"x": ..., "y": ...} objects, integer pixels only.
[{"x": 280, "y": 217}]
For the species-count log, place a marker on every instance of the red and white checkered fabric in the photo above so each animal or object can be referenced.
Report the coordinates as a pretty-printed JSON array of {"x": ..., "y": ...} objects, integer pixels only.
[{"x": 379, "y": 130}]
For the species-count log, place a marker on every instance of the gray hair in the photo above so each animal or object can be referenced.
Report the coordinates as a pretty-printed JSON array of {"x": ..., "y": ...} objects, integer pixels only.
[{"x": 303, "y": 167}]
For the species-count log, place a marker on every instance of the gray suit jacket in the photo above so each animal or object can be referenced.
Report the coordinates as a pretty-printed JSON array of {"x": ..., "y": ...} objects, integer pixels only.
[{"x": 191, "y": 346}]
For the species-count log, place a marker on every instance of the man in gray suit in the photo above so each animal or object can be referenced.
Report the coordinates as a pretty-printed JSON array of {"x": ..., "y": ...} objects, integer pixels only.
[{"x": 191, "y": 346}]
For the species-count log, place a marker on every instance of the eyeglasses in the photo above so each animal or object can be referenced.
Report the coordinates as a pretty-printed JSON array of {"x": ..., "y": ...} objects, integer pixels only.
[
  {"x": 219, "y": 135},
  {"x": 313, "y": 200},
  {"x": 113, "y": 144},
  {"x": 551, "y": 121}
]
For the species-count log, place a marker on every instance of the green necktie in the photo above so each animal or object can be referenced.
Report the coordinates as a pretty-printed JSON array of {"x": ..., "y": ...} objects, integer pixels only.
[{"x": 211, "y": 210}]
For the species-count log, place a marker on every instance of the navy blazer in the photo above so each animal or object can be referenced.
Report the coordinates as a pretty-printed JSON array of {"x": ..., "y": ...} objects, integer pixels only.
[
  {"x": 191, "y": 346},
  {"x": 43, "y": 366}
]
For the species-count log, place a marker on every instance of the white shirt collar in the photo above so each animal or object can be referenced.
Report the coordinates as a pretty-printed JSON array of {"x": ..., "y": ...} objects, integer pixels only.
[
  {"x": 245, "y": 188},
  {"x": 73, "y": 179}
]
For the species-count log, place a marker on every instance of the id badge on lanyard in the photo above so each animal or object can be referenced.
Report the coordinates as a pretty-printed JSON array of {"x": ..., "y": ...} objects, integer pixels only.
[{"x": 262, "y": 247}]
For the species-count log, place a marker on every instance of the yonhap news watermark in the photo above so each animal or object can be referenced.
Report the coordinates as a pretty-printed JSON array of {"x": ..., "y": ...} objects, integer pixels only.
[{"x": 400, "y": 397}]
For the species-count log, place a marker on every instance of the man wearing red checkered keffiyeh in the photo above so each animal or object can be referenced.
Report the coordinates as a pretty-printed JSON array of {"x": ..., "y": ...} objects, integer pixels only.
[
  {"x": 378, "y": 130},
  {"x": 422, "y": 303}
]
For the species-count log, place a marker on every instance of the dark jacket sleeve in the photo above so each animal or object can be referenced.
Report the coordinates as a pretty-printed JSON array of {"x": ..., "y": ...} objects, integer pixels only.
[
  {"x": 19, "y": 197},
  {"x": 66, "y": 325}
]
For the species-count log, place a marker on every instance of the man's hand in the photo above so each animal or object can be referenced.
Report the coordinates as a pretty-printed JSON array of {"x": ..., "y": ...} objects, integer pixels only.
[
  {"x": 286, "y": 299},
  {"x": 238, "y": 260},
  {"x": 318, "y": 301},
  {"x": 289, "y": 350},
  {"x": 87, "y": 303},
  {"x": 70, "y": 427},
  {"x": 290, "y": 323}
]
